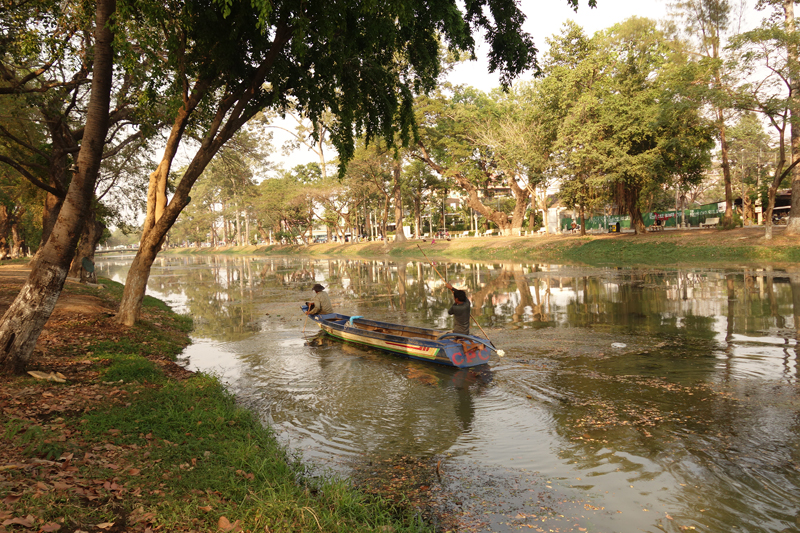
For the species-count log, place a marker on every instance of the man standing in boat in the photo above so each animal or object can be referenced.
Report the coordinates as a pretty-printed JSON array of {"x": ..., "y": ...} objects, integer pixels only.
[
  {"x": 460, "y": 311},
  {"x": 321, "y": 304}
]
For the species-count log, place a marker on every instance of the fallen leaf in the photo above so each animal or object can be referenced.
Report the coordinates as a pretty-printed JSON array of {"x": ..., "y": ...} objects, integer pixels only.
[
  {"x": 105, "y": 525},
  {"x": 52, "y": 376},
  {"x": 134, "y": 471},
  {"x": 12, "y": 498},
  {"x": 225, "y": 525},
  {"x": 139, "y": 515},
  {"x": 50, "y": 526},
  {"x": 28, "y": 521},
  {"x": 206, "y": 508}
]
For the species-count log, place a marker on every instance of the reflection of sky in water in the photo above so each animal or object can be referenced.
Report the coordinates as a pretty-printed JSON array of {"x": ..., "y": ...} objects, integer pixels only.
[{"x": 673, "y": 422}]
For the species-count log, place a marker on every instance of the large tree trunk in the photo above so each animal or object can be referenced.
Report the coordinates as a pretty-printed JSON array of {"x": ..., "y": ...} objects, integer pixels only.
[
  {"x": 521, "y": 196},
  {"x": 473, "y": 200},
  {"x": 136, "y": 281},
  {"x": 23, "y": 321},
  {"x": 727, "y": 219},
  {"x": 628, "y": 198}
]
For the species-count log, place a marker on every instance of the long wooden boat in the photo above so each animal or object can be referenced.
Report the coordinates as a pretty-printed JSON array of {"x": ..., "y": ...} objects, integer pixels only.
[{"x": 452, "y": 349}]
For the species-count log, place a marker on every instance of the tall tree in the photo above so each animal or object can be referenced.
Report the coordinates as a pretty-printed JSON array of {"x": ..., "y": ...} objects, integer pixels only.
[
  {"x": 363, "y": 62},
  {"x": 768, "y": 91},
  {"x": 521, "y": 137},
  {"x": 46, "y": 75},
  {"x": 25, "y": 318},
  {"x": 706, "y": 23},
  {"x": 577, "y": 69},
  {"x": 453, "y": 144},
  {"x": 779, "y": 29},
  {"x": 625, "y": 130}
]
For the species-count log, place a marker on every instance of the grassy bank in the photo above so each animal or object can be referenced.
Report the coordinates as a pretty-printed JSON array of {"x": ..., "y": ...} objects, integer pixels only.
[
  {"x": 660, "y": 248},
  {"x": 130, "y": 441}
]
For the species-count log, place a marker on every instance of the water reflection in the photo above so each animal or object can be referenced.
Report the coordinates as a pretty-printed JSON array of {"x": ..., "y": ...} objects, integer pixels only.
[{"x": 674, "y": 391}]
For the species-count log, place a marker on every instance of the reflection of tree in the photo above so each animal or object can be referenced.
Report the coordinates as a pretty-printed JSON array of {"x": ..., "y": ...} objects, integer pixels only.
[
  {"x": 540, "y": 308},
  {"x": 401, "y": 285},
  {"x": 489, "y": 289},
  {"x": 525, "y": 297},
  {"x": 794, "y": 281}
]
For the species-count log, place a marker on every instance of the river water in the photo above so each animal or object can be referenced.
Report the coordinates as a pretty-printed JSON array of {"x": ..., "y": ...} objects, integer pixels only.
[{"x": 629, "y": 399}]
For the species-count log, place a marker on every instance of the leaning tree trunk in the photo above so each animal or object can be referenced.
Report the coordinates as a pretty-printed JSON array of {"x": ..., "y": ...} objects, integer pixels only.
[
  {"x": 473, "y": 200},
  {"x": 23, "y": 322},
  {"x": 136, "y": 281},
  {"x": 161, "y": 215}
]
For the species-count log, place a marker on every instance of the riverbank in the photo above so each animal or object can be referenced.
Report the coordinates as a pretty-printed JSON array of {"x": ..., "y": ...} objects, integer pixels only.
[
  {"x": 675, "y": 247},
  {"x": 114, "y": 436}
]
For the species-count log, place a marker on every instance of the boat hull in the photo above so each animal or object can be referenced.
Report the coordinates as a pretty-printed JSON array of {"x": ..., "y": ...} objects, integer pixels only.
[{"x": 422, "y": 344}]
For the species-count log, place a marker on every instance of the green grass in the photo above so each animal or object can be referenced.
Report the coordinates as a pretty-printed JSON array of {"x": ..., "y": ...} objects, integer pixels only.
[
  {"x": 212, "y": 453},
  {"x": 133, "y": 369},
  {"x": 630, "y": 252}
]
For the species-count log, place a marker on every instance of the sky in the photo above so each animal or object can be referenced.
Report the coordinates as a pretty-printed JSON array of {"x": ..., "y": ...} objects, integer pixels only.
[{"x": 543, "y": 19}]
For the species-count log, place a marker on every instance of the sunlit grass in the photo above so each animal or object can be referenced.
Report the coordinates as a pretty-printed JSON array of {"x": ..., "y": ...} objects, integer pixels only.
[{"x": 719, "y": 247}]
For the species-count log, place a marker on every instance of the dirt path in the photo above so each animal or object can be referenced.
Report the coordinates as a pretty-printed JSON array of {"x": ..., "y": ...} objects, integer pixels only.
[{"x": 82, "y": 314}]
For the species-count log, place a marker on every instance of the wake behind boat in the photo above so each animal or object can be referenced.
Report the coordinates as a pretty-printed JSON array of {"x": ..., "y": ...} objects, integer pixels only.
[{"x": 423, "y": 344}]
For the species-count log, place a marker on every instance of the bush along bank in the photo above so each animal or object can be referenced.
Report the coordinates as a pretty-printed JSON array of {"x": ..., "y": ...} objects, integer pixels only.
[{"x": 115, "y": 437}]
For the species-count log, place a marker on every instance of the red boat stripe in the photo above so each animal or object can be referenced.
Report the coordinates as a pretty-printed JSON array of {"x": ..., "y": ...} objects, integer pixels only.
[{"x": 406, "y": 346}]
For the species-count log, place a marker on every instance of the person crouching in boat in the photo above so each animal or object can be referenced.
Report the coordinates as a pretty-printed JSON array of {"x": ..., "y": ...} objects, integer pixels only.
[
  {"x": 321, "y": 304},
  {"x": 460, "y": 311}
]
